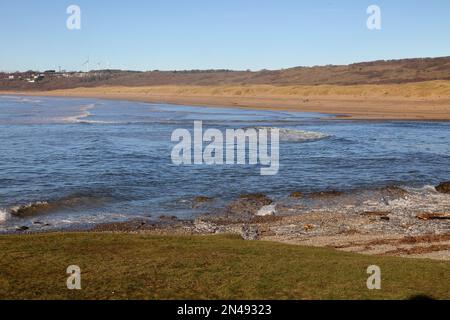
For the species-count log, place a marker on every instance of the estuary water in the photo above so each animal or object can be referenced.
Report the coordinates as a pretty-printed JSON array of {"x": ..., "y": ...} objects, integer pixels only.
[{"x": 77, "y": 162}]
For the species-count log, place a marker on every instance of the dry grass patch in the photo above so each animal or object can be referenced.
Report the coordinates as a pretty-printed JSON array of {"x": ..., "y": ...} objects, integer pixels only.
[{"x": 132, "y": 266}]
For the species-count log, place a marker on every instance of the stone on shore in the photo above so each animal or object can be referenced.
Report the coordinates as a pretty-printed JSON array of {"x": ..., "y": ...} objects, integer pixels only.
[
  {"x": 202, "y": 226},
  {"x": 200, "y": 201},
  {"x": 296, "y": 195},
  {"x": 250, "y": 233},
  {"x": 444, "y": 187},
  {"x": 325, "y": 194},
  {"x": 248, "y": 205}
]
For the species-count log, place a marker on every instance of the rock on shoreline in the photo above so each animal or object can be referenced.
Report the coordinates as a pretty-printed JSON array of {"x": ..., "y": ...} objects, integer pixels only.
[
  {"x": 334, "y": 219},
  {"x": 444, "y": 187}
]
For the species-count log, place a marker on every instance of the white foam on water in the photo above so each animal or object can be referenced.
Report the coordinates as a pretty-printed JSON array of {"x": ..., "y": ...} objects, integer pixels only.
[
  {"x": 99, "y": 122},
  {"x": 4, "y": 215},
  {"x": 300, "y": 135},
  {"x": 426, "y": 188},
  {"x": 14, "y": 210},
  {"x": 269, "y": 210},
  {"x": 84, "y": 113},
  {"x": 88, "y": 219},
  {"x": 293, "y": 135},
  {"x": 21, "y": 99},
  {"x": 29, "y": 100}
]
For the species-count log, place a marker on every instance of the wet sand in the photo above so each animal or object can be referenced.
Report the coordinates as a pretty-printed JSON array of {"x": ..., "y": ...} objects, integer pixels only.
[{"x": 412, "y": 101}]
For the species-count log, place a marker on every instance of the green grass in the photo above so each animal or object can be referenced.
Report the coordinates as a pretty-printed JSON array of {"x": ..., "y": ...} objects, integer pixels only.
[{"x": 118, "y": 266}]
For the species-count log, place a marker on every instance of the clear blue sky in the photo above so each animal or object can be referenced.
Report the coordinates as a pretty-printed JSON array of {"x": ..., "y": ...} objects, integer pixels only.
[{"x": 231, "y": 34}]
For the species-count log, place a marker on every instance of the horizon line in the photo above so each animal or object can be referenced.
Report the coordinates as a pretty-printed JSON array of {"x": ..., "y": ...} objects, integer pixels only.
[{"x": 233, "y": 70}]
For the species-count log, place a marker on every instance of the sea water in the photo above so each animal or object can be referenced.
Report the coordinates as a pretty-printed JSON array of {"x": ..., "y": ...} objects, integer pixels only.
[{"x": 78, "y": 162}]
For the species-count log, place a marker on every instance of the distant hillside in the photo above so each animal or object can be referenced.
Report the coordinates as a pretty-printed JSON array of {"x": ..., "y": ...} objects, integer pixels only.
[{"x": 376, "y": 72}]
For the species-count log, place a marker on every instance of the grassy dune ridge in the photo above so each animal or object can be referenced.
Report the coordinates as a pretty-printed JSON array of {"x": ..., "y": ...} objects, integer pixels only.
[
  {"x": 127, "y": 266},
  {"x": 429, "y": 89},
  {"x": 372, "y": 72}
]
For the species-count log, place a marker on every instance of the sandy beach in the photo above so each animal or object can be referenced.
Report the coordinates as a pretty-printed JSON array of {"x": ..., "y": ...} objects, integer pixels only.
[{"x": 411, "y": 101}]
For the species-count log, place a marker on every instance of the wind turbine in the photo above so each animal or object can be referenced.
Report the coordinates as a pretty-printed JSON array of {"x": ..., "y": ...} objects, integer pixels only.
[{"x": 87, "y": 65}]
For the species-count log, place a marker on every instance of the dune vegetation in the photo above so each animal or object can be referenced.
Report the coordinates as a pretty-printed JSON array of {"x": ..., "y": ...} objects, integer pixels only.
[{"x": 429, "y": 89}]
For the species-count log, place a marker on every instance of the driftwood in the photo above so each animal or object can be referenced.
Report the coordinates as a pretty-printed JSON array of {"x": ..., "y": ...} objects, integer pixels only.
[{"x": 434, "y": 216}]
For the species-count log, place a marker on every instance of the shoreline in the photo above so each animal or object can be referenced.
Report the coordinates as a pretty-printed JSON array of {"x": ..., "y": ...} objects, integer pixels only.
[
  {"x": 354, "y": 103},
  {"x": 404, "y": 233},
  {"x": 424, "y": 246}
]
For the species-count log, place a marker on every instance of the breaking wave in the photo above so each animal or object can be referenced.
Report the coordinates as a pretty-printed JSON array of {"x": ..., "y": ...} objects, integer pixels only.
[
  {"x": 30, "y": 209},
  {"x": 293, "y": 135},
  {"x": 44, "y": 207},
  {"x": 84, "y": 113},
  {"x": 301, "y": 136},
  {"x": 3, "y": 215},
  {"x": 99, "y": 122}
]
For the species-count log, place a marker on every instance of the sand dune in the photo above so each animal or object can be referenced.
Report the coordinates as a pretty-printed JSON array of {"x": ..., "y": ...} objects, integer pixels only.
[{"x": 428, "y": 100}]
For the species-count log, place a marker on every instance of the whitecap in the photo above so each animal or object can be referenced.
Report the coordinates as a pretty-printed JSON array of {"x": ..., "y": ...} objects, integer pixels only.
[
  {"x": 4, "y": 215},
  {"x": 269, "y": 210},
  {"x": 300, "y": 135},
  {"x": 99, "y": 122},
  {"x": 293, "y": 135},
  {"x": 426, "y": 189},
  {"x": 29, "y": 100},
  {"x": 84, "y": 113},
  {"x": 21, "y": 99}
]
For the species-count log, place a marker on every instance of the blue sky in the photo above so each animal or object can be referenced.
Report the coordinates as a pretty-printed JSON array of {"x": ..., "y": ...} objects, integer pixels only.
[{"x": 204, "y": 34}]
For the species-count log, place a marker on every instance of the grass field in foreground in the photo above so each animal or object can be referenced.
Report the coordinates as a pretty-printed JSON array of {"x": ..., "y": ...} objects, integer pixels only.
[{"x": 117, "y": 266}]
